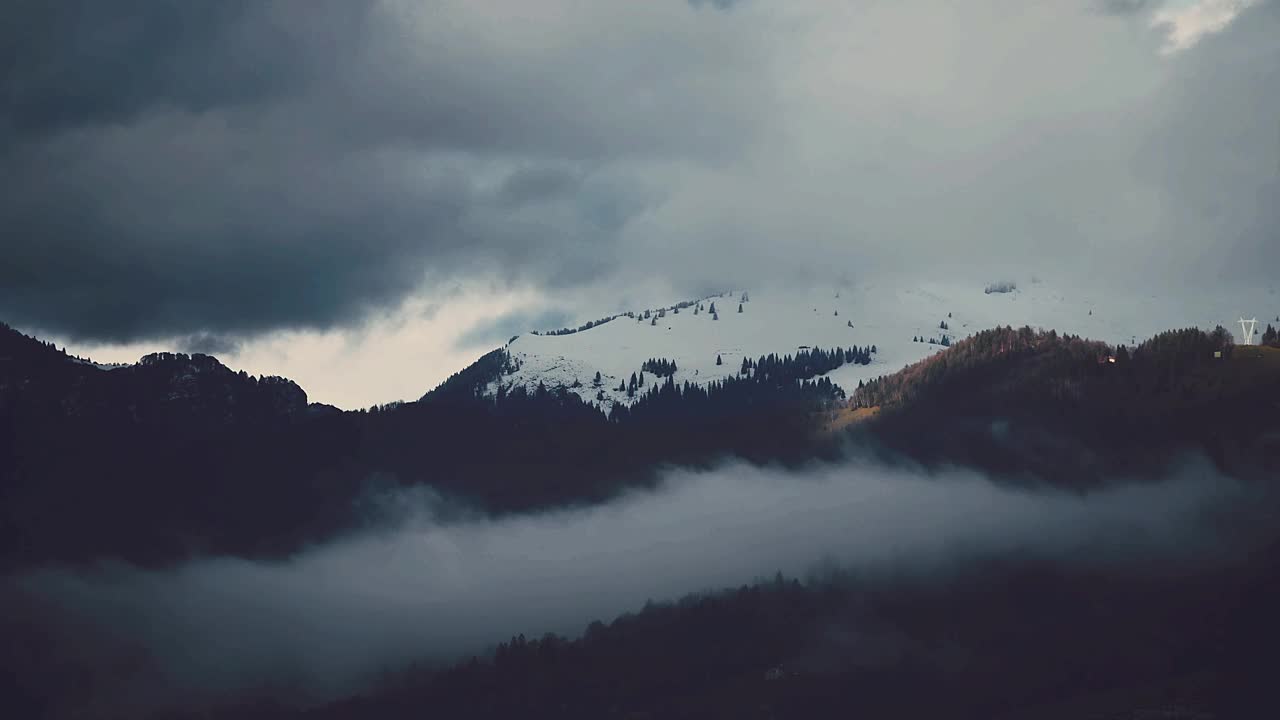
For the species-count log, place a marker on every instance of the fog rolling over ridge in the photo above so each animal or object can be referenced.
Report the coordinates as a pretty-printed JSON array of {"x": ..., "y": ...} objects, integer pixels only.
[{"x": 329, "y": 620}]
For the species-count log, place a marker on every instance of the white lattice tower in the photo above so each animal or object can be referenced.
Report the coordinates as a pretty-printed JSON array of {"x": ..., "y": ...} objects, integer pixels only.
[{"x": 1247, "y": 329}]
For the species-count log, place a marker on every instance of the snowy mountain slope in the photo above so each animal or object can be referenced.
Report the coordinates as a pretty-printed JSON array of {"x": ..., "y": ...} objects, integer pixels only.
[{"x": 887, "y": 315}]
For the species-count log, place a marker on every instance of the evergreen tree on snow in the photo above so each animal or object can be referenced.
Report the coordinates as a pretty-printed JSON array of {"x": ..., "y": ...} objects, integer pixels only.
[
  {"x": 739, "y": 307},
  {"x": 719, "y": 361}
]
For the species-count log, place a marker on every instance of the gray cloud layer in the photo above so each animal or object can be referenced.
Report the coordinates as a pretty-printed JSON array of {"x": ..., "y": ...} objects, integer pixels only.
[
  {"x": 331, "y": 618},
  {"x": 234, "y": 168},
  {"x": 240, "y": 167}
]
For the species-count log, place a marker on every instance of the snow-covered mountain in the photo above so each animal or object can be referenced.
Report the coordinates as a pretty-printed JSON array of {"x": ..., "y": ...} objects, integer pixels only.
[{"x": 887, "y": 315}]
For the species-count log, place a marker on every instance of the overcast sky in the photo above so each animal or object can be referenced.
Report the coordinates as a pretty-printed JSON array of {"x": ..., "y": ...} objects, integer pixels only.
[{"x": 382, "y": 191}]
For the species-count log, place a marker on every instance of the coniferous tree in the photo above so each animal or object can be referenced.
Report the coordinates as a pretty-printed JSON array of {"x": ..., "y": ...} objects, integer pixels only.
[
  {"x": 715, "y": 316},
  {"x": 719, "y": 361},
  {"x": 712, "y": 309},
  {"x": 1122, "y": 355},
  {"x": 653, "y": 321},
  {"x": 739, "y": 307}
]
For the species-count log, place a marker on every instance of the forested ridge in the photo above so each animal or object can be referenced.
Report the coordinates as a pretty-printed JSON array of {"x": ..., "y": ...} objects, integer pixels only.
[
  {"x": 1004, "y": 640},
  {"x": 180, "y": 456},
  {"x": 1076, "y": 411}
]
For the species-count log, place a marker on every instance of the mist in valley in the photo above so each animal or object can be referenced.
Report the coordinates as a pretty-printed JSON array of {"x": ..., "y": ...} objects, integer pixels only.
[{"x": 432, "y": 584}]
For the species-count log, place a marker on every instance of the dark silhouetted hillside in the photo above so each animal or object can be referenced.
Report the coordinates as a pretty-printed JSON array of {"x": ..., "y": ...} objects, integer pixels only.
[
  {"x": 1006, "y": 640},
  {"x": 180, "y": 456},
  {"x": 1076, "y": 411}
]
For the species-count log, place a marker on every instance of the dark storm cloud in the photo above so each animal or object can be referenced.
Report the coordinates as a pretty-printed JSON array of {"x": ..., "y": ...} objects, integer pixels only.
[
  {"x": 78, "y": 63},
  {"x": 121, "y": 235},
  {"x": 438, "y": 586},
  {"x": 235, "y": 168}
]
